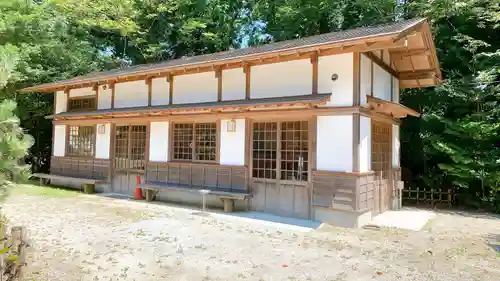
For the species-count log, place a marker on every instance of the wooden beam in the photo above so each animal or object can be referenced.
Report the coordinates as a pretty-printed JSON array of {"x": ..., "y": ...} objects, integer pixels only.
[
  {"x": 418, "y": 74},
  {"x": 149, "y": 82},
  {"x": 218, "y": 75},
  {"x": 382, "y": 64},
  {"x": 410, "y": 31},
  {"x": 66, "y": 92},
  {"x": 96, "y": 89},
  {"x": 246, "y": 69},
  {"x": 170, "y": 80},
  {"x": 356, "y": 99},
  {"x": 314, "y": 62},
  {"x": 355, "y": 141},
  {"x": 55, "y": 103},
  {"x": 112, "y": 86},
  {"x": 403, "y": 54}
]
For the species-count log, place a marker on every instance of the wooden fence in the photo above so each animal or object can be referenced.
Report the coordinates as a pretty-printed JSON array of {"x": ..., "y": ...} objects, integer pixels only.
[{"x": 428, "y": 196}]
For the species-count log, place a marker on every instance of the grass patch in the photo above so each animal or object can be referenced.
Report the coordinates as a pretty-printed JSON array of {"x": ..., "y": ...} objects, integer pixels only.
[{"x": 47, "y": 191}]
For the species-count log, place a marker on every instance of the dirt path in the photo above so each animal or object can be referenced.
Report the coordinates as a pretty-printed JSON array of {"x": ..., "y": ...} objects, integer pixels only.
[{"x": 79, "y": 237}]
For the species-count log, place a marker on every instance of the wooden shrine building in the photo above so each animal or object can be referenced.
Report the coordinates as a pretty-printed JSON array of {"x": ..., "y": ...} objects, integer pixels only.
[{"x": 308, "y": 127}]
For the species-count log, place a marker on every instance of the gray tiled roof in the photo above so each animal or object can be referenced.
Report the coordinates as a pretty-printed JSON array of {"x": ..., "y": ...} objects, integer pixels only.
[
  {"x": 188, "y": 106},
  {"x": 326, "y": 38}
]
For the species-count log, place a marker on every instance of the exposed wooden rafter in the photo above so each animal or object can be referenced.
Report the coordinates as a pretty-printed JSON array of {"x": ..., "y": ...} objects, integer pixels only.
[
  {"x": 390, "y": 108},
  {"x": 382, "y": 64},
  {"x": 415, "y": 52},
  {"x": 418, "y": 74}
]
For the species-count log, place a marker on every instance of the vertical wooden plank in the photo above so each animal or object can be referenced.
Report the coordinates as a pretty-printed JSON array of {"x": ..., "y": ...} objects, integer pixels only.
[
  {"x": 170, "y": 79},
  {"x": 66, "y": 141},
  {"x": 250, "y": 156},
  {"x": 218, "y": 75},
  {"x": 355, "y": 141},
  {"x": 170, "y": 141},
  {"x": 371, "y": 78},
  {"x": 129, "y": 147},
  {"x": 314, "y": 62},
  {"x": 55, "y": 103},
  {"x": 112, "y": 86},
  {"x": 246, "y": 69},
  {"x": 66, "y": 92},
  {"x": 96, "y": 89},
  {"x": 312, "y": 146},
  {"x": 278, "y": 152},
  {"x": 217, "y": 143},
  {"x": 111, "y": 166},
  {"x": 356, "y": 99},
  {"x": 148, "y": 138},
  {"x": 149, "y": 82},
  {"x": 94, "y": 141}
]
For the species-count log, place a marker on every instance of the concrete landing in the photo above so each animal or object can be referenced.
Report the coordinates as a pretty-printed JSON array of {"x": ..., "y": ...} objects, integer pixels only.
[{"x": 406, "y": 218}]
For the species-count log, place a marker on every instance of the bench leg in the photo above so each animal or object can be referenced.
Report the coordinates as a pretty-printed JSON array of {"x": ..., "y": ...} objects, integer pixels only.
[
  {"x": 203, "y": 199},
  {"x": 150, "y": 194},
  {"x": 88, "y": 188},
  {"x": 228, "y": 205}
]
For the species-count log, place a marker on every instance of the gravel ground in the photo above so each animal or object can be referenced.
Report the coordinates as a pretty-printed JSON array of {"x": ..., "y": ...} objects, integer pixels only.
[{"x": 83, "y": 237}]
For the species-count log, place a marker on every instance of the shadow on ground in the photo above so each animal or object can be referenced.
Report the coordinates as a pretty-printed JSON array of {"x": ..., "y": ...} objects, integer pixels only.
[{"x": 493, "y": 241}]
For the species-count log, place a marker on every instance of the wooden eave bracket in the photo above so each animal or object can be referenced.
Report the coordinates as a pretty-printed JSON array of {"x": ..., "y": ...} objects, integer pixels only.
[{"x": 387, "y": 107}]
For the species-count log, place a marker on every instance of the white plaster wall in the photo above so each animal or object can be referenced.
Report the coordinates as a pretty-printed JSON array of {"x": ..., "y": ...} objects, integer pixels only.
[
  {"x": 396, "y": 146},
  {"x": 232, "y": 144},
  {"x": 193, "y": 88},
  {"x": 365, "y": 78},
  {"x": 382, "y": 83},
  {"x": 81, "y": 92},
  {"x": 365, "y": 144},
  {"x": 395, "y": 87},
  {"x": 104, "y": 98},
  {"x": 233, "y": 84},
  {"x": 61, "y": 102},
  {"x": 160, "y": 92},
  {"x": 158, "y": 141},
  {"x": 334, "y": 143},
  {"x": 292, "y": 78},
  {"x": 342, "y": 89},
  {"x": 131, "y": 94},
  {"x": 59, "y": 148},
  {"x": 102, "y": 141}
]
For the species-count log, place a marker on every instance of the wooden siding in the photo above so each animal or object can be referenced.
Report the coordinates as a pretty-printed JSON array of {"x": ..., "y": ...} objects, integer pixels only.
[
  {"x": 80, "y": 167},
  {"x": 335, "y": 190},
  {"x": 286, "y": 198},
  {"x": 199, "y": 175}
]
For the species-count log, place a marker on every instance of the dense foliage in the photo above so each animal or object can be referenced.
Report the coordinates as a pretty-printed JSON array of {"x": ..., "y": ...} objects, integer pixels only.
[{"x": 454, "y": 145}]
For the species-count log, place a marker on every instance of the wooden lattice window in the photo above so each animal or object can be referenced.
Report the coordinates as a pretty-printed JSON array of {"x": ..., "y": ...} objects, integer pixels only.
[
  {"x": 82, "y": 104},
  {"x": 130, "y": 147},
  {"x": 195, "y": 142},
  {"x": 381, "y": 148},
  {"x": 294, "y": 150},
  {"x": 286, "y": 143},
  {"x": 81, "y": 141},
  {"x": 265, "y": 138}
]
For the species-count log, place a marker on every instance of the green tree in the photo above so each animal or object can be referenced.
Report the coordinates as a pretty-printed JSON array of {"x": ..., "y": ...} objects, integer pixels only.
[
  {"x": 14, "y": 145},
  {"x": 456, "y": 143}
]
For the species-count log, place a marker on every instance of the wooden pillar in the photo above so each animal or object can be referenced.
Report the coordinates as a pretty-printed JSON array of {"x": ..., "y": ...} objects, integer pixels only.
[
  {"x": 218, "y": 75},
  {"x": 150, "y": 89},
  {"x": 246, "y": 69},
  {"x": 112, "y": 86},
  {"x": 314, "y": 62},
  {"x": 170, "y": 80}
]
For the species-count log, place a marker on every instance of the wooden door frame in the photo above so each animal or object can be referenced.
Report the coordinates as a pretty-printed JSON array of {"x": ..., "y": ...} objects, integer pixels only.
[{"x": 311, "y": 157}]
